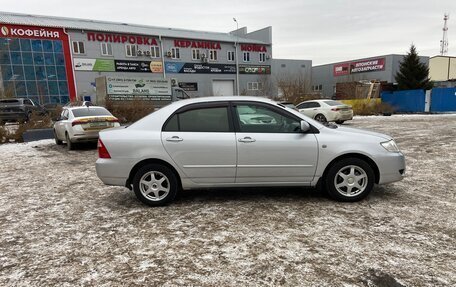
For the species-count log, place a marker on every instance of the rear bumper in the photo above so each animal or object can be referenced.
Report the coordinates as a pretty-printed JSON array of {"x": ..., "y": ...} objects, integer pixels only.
[{"x": 113, "y": 171}]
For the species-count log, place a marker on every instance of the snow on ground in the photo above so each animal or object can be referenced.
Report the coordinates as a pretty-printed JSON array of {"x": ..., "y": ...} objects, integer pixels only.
[{"x": 60, "y": 226}]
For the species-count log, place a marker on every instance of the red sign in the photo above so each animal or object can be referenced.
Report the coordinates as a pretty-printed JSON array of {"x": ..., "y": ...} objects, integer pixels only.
[
  {"x": 367, "y": 66},
  {"x": 341, "y": 69},
  {"x": 363, "y": 66},
  {"x": 118, "y": 38},
  {"x": 253, "y": 48},
  {"x": 14, "y": 31},
  {"x": 197, "y": 44}
]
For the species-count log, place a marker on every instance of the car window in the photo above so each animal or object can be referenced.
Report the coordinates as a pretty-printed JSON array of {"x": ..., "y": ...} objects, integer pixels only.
[
  {"x": 87, "y": 112},
  {"x": 65, "y": 114},
  {"x": 314, "y": 105},
  {"x": 333, "y": 103},
  {"x": 214, "y": 119},
  {"x": 262, "y": 119}
]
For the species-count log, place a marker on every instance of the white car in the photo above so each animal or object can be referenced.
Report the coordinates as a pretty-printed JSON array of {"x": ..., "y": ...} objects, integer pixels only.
[
  {"x": 82, "y": 124},
  {"x": 208, "y": 143},
  {"x": 326, "y": 111}
]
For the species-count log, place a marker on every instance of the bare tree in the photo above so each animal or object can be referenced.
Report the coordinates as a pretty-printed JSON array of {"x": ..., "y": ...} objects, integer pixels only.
[{"x": 294, "y": 87}]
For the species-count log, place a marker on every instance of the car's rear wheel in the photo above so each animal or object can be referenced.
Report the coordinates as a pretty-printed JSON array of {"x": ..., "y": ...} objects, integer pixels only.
[
  {"x": 350, "y": 179},
  {"x": 155, "y": 185},
  {"x": 339, "y": 122},
  {"x": 57, "y": 141},
  {"x": 70, "y": 145},
  {"x": 320, "y": 118}
]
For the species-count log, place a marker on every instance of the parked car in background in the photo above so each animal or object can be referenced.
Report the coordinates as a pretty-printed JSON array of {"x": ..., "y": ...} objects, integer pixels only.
[
  {"x": 203, "y": 142},
  {"x": 82, "y": 124},
  {"x": 19, "y": 109},
  {"x": 326, "y": 110}
]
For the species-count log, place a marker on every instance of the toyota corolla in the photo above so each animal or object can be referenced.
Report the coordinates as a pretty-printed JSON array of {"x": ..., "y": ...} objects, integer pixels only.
[{"x": 205, "y": 142}]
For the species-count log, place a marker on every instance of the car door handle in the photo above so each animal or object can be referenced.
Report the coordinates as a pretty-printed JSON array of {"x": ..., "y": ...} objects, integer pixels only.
[
  {"x": 174, "y": 139},
  {"x": 247, "y": 140}
]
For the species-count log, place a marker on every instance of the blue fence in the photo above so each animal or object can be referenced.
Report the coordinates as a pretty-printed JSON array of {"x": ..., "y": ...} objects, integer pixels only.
[
  {"x": 443, "y": 100},
  {"x": 409, "y": 101}
]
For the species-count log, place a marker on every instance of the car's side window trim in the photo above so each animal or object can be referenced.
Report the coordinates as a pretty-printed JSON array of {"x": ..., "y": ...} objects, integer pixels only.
[{"x": 198, "y": 106}]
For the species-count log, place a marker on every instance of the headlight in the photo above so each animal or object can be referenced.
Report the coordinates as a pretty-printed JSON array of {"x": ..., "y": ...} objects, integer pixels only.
[{"x": 390, "y": 146}]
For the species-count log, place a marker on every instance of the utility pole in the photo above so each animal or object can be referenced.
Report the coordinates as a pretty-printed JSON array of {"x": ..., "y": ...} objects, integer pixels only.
[
  {"x": 444, "y": 41},
  {"x": 236, "y": 43}
]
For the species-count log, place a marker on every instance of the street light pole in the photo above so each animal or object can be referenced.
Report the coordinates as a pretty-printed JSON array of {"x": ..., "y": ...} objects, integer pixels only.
[{"x": 236, "y": 55}]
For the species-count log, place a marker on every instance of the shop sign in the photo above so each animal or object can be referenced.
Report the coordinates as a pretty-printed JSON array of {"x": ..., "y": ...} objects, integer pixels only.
[
  {"x": 139, "y": 97},
  {"x": 120, "y": 38},
  {"x": 138, "y": 86},
  {"x": 138, "y": 66},
  {"x": 199, "y": 68},
  {"x": 367, "y": 66},
  {"x": 99, "y": 65},
  {"x": 255, "y": 69},
  {"x": 253, "y": 48},
  {"x": 363, "y": 66},
  {"x": 189, "y": 87},
  {"x": 197, "y": 44},
  {"x": 30, "y": 32}
]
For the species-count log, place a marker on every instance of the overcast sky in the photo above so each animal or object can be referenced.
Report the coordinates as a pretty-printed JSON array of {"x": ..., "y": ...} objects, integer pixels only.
[{"x": 323, "y": 31}]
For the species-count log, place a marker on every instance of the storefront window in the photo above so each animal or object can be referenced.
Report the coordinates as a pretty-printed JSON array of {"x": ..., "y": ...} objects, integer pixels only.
[{"x": 34, "y": 69}]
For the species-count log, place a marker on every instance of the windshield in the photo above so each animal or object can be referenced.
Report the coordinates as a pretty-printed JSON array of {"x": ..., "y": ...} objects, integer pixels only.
[{"x": 86, "y": 112}]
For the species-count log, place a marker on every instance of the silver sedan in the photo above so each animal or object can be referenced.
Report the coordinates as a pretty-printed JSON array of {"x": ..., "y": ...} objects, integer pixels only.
[{"x": 204, "y": 142}]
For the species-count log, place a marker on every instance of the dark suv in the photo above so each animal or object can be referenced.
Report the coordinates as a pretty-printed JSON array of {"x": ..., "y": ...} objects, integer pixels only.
[{"x": 18, "y": 109}]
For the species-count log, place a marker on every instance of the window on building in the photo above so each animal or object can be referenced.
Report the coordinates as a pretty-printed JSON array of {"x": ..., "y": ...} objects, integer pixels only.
[
  {"x": 262, "y": 57},
  {"x": 283, "y": 65},
  {"x": 320, "y": 87},
  {"x": 231, "y": 56},
  {"x": 246, "y": 56},
  {"x": 78, "y": 47},
  {"x": 196, "y": 54},
  {"x": 155, "y": 52},
  {"x": 175, "y": 54},
  {"x": 254, "y": 86},
  {"x": 106, "y": 49},
  {"x": 131, "y": 50},
  {"x": 212, "y": 55}
]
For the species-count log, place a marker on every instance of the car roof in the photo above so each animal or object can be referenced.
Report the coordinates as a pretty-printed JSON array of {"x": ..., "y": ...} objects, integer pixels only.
[{"x": 83, "y": 107}]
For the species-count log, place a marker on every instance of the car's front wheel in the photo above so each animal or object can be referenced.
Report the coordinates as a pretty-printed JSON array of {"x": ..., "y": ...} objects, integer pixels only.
[
  {"x": 155, "y": 185},
  {"x": 350, "y": 179}
]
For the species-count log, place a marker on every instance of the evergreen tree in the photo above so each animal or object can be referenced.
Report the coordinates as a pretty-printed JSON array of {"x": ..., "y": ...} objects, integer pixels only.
[{"x": 412, "y": 73}]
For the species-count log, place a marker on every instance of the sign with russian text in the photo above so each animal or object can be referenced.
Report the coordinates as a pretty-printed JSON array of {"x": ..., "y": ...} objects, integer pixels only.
[
  {"x": 363, "y": 66},
  {"x": 138, "y": 86},
  {"x": 189, "y": 87},
  {"x": 138, "y": 66},
  {"x": 199, "y": 68},
  {"x": 120, "y": 38},
  {"x": 255, "y": 69},
  {"x": 31, "y": 32},
  {"x": 98, "y": 65},
  {"x": 197, "y": 44}
]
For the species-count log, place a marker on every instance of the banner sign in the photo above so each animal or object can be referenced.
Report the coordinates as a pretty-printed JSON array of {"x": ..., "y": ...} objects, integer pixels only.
[
  {"x": 199, "y": 68},
  {"x": 138, "y": 86},
  {"x": 99, "y": 65},
  {"x": 138, "y": 66},
  {"x": 363, "y": 66},
  {"x": 252, "y": 69},
  {"x": 189, "y": 87},
  {"x": 139, "y": 97},
  {"x": 31, "y": 32}
]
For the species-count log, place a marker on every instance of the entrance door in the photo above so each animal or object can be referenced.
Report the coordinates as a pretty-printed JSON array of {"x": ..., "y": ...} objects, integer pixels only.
[{"x": 223, "y": 87}]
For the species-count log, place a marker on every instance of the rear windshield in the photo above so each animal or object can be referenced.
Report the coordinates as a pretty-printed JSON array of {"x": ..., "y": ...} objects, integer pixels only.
[
  {"x": 9, "y": 101},
  {"x": 333, "y": 103},
  {"x": 86, "y": 112}
]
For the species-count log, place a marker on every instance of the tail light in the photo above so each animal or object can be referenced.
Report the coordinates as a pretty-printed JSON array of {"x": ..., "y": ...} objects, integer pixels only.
[
  {"x": 76, "y": 122},
  {"x": 335, "y": 109},
  {"x": 102, "y": 151},
  {"x": 113, "y": 120}
]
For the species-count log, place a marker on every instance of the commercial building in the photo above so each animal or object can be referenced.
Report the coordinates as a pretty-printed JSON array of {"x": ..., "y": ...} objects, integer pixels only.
[
  {"x": 326, "y": 78},
  {"x": 442, "y": 70},
  {"x": 54, "y": 59}
]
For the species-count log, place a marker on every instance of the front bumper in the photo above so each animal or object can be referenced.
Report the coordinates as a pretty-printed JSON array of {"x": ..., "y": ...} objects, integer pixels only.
[{"x": 391, "y": 167}]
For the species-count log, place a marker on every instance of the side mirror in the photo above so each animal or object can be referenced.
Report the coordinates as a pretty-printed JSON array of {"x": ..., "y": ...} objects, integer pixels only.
[{"x": 305, "y": 127}]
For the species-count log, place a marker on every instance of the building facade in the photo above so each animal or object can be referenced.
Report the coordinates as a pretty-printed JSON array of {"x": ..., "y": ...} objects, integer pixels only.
[
  {"x": 442, "y": 71},
  {"x": 380, "y": 68},
  {"x": 52, "y": 59}
]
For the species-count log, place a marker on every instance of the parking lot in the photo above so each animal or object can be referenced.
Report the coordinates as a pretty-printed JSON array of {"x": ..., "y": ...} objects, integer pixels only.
[{"x": 61, "y": 226}]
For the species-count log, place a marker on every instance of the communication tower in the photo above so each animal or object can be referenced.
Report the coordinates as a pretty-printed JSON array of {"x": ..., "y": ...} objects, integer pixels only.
[{"x": 444, "y": 41}]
